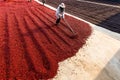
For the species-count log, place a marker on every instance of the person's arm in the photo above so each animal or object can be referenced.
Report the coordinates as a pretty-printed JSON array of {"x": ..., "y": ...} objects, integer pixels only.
[
  {"x": 63, "y": 15},
  {"x": 57, "y": 13}
]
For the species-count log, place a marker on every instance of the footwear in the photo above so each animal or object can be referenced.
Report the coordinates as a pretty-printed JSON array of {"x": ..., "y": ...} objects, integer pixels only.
[{"x": 57, "y": 23}]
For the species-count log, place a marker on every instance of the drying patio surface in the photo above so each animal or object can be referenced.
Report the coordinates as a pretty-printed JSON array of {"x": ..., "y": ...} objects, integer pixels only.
[
  {"x": 99, "y": 59},
  {"x": 31, "y": 45}
]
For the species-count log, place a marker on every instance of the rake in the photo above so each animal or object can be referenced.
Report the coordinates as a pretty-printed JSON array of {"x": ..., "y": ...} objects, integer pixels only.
[{"x": 68, "y": 25}]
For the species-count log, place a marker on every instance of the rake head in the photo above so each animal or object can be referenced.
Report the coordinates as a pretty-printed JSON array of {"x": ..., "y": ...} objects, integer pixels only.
[{"x": 74, "y": 35}]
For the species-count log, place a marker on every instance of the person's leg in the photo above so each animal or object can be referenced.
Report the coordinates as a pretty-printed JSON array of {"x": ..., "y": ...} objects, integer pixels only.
[
  {"x": 58, "y": 21},
  {"x": 43, "y": 2}
]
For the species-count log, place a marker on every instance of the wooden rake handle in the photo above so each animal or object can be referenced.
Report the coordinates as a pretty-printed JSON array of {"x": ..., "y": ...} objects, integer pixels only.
[{"x": 69, "y": 26}]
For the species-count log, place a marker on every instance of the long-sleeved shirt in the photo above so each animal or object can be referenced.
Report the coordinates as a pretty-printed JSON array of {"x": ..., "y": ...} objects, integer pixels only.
[{"x": 59, "y": 12}]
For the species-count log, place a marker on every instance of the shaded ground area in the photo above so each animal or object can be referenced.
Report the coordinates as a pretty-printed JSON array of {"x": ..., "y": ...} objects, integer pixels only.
[
  {"x": 94, "y": 13},
  {"x": 112, "y": 23},
  {"x": 111, "y": 71},
  {"x": 31, "y": 45}
]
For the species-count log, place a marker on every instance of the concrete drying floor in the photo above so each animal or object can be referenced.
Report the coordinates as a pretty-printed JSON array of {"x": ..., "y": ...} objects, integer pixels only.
[{"x": 99, "y": 59}]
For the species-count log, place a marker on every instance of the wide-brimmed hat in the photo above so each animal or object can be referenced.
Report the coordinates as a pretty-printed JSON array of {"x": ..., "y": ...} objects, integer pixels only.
[{"x": 62, "y": 5}]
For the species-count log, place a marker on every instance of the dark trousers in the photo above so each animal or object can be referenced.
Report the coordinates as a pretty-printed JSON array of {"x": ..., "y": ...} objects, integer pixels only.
[
  {"x": 58, "y": 20},
  {"x": 43, "y": 1}
]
